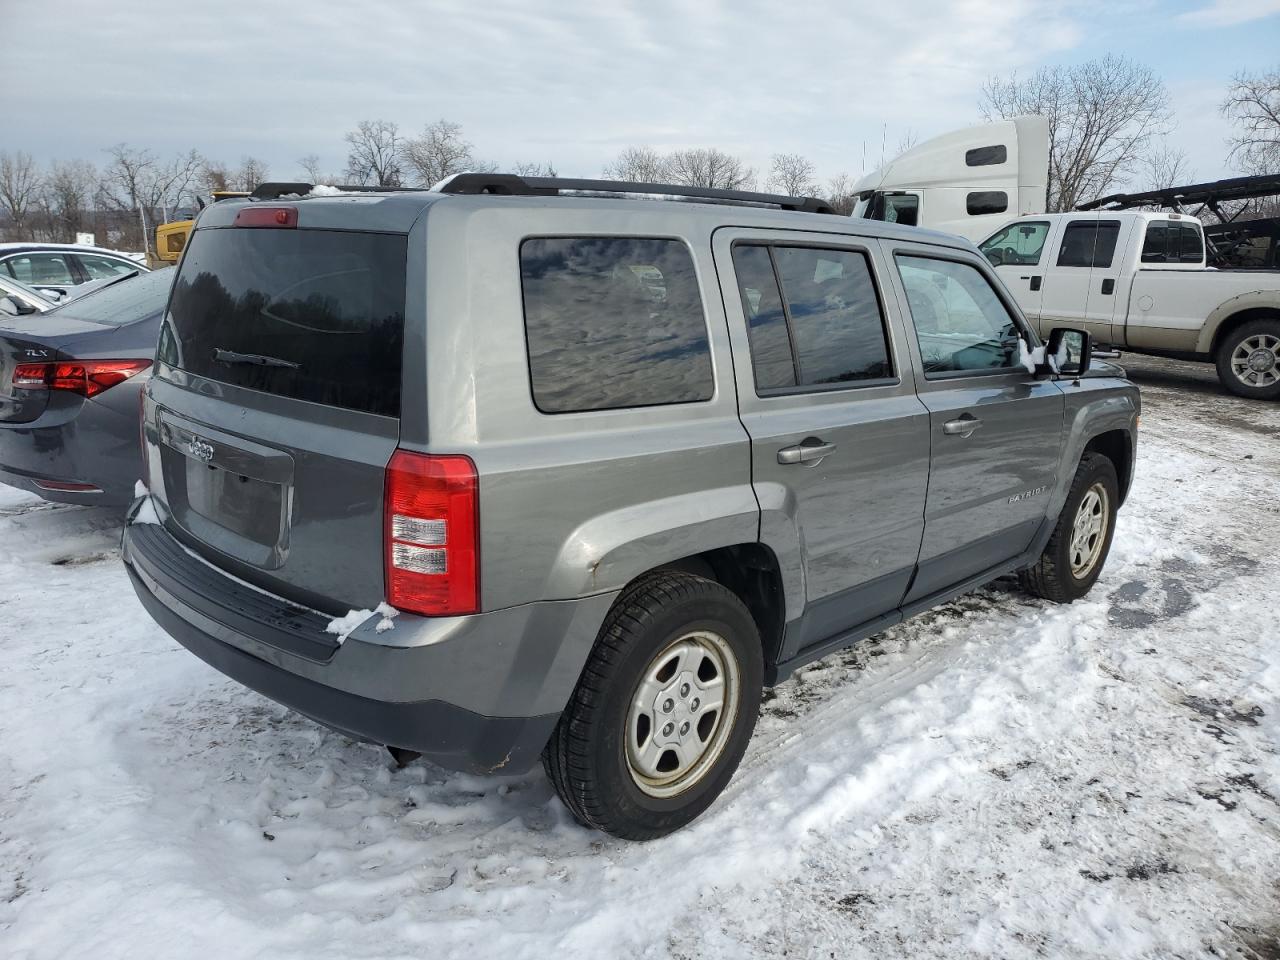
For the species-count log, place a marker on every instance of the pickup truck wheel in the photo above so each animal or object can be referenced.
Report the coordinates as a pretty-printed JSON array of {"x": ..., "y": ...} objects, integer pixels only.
[
  {"x": 1078, "y": 549},
  {"x": 663, "y": 711},
  {"x": 1249, "y": 360}
]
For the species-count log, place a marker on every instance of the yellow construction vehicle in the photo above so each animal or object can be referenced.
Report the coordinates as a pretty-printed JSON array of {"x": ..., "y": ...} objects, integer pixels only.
[{"x": 171, "y": 238}]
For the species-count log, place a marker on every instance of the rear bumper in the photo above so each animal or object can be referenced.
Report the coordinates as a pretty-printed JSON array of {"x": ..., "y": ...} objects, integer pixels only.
[
  {"x": 479, "y": 693},
  {"x": 89, "y": 443}
]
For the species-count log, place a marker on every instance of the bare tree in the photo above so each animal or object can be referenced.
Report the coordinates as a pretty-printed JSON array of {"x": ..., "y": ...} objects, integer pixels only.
[
  {"x": 1167, "y": 167},
  {"x": 908, "y": 140},
  {"x": 68, "y": 196},
  {"x": 709, "y": 167},
  {"x": 637, "y": 165},
  {"x": 793, "y": 175},
  {"x": 840, "y": 194},
  {"x": 374, "y": 155},
  {"x": 1253, "y": 103},
  {"x": 136, "y": 182},
  {"x": 440, "y": 152},
  {"x": 314, "y": 173},
  {"x": 1103, "y": 116},
  {"x": 536, "y": 170},
  {"x": 214, "y": 176},
  {"x": 20, "y": 186},
  {"x": 310, "y": 165},
  {"x": 252, "y": 173}
]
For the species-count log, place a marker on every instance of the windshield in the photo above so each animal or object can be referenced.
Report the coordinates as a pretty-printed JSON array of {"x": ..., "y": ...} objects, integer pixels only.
[
  {"x": 123, "y": 301},
  {"x": 903, "y": 208}
]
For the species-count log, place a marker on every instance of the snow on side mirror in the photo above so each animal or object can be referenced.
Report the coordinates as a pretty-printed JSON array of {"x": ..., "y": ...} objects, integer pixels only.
[{"x": 1071, "y": 351}]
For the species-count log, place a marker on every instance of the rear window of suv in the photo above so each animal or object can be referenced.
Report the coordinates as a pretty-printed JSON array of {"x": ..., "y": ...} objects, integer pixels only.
[{"x": 314, "y": 315}]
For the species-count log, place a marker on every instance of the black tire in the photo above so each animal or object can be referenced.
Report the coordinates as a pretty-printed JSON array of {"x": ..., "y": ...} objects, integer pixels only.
[
  {"x": 1052, "y": 576},
  {"x": 587, "y": 758},
  {"x": 1264, "y": 331}
]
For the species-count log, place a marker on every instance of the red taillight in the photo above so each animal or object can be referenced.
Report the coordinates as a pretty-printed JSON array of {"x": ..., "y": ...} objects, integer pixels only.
[
  {"x": 85, "y": 377},
  {"x": 267, "y": 217},
  {"x": 432, "y": 534}
]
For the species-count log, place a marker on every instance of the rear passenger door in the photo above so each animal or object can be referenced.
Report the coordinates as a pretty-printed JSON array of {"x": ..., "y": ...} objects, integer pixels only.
[
  {"x": 839, "y": 440},
  {"x": 1080, "y": 283},
  {"x": 1109, "y": 281},
  {"x": 994, "y": 428}
]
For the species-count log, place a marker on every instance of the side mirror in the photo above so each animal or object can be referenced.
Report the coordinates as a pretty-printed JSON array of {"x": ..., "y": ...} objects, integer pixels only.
[
  {"x": 996, "y": 256},
  {"x": 1071, "y": 350},
  {"x": 11, "y": 306}
]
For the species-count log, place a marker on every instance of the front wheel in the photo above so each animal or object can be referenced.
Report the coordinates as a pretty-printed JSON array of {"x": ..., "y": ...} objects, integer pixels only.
[
  {"x": 1249, "y": 360},
  {"x": 1074, "y": 557},
  {"x": 663, "y": 711}
]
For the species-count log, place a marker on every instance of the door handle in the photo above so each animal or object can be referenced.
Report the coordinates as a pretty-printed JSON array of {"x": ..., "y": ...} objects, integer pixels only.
[
  {"x": 810, "y": 450},
  {"x": 1108, "y": 285},
  {"x": 963, "y": 427},
  {"x": 1035, "y": 283}
]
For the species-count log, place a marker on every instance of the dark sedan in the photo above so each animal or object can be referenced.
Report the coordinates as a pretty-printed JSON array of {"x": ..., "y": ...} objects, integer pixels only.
[{"x": 69, "y": 391}]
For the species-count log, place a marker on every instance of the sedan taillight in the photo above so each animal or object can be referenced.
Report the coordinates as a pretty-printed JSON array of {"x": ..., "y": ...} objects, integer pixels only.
[{"x": 85, "y": 377}]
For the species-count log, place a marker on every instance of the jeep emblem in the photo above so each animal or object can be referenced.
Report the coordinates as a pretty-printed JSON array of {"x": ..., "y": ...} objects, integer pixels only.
[{"x": 200, "y": 449}]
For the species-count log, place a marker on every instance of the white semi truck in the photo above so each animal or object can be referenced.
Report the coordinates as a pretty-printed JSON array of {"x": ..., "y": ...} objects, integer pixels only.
[{"x": 969, "y": 181}]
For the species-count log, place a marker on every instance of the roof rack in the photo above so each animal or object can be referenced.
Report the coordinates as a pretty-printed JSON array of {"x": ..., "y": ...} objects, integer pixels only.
[
  {"x": 274, "y": 191},
  {"x": 506, "y": 184},
  {"x": 510, "y": 185}
]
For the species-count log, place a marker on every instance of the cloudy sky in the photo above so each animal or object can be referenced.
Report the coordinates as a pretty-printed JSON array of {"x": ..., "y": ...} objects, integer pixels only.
[{"x": 572, "y": 82}]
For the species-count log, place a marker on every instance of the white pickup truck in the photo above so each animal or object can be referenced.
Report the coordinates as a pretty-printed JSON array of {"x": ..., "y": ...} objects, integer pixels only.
[{"x": 1138, "y": 281}]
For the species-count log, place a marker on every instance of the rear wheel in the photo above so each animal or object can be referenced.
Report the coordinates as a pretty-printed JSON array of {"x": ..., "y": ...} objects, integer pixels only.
[
  {"x": 663, "y": 711},
  {"x": 1249, "y": 359},
  {"x": 1074, "y": 557}
]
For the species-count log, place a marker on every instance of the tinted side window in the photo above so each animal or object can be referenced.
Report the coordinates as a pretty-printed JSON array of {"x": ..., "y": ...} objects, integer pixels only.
[
  {"x": 1191, "y": 250},
  {"x": 1155, "y": 246},
  {"x": 1077, "y": 244},
  {"x": 771, "y": 358},
  {"x": 986, "y": 201},
  {"x": 986, "y": 156},
  {"x": 960, "y": 322},
  {"x": 613, "y": 322},
  {"x": 1104, "y": 248},
  {"x": 835, "y": 316}
]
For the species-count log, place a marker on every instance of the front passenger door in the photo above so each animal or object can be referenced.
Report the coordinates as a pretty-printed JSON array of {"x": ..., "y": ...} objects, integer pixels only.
[{"x": 994, "y": 428}]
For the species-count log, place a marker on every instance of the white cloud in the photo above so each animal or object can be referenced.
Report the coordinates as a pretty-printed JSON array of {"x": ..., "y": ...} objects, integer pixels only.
[
  {"x": 1229, "y": 13},
  {"x": 570, "y": 82}
]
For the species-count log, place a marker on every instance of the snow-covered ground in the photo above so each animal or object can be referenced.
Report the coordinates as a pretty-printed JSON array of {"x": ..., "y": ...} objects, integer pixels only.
[{"x": 997, "y": 778}]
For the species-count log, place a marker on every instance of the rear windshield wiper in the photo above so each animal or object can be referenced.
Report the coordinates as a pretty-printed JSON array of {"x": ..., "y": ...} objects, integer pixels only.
[{"x": 257, "y": 359}]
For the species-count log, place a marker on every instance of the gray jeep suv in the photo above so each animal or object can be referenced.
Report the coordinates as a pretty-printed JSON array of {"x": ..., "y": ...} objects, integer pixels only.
[{"x": 525, "y": 468}]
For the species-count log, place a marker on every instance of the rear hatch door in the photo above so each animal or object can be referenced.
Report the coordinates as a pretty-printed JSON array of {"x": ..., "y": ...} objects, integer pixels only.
[{"x": 277, "y": 403}]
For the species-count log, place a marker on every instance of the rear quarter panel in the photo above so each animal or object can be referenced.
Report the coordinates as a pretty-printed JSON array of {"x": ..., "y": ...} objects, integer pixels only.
[
  {"x": 571, "y": 504},
  {"x": 1182, "y": 309}
]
